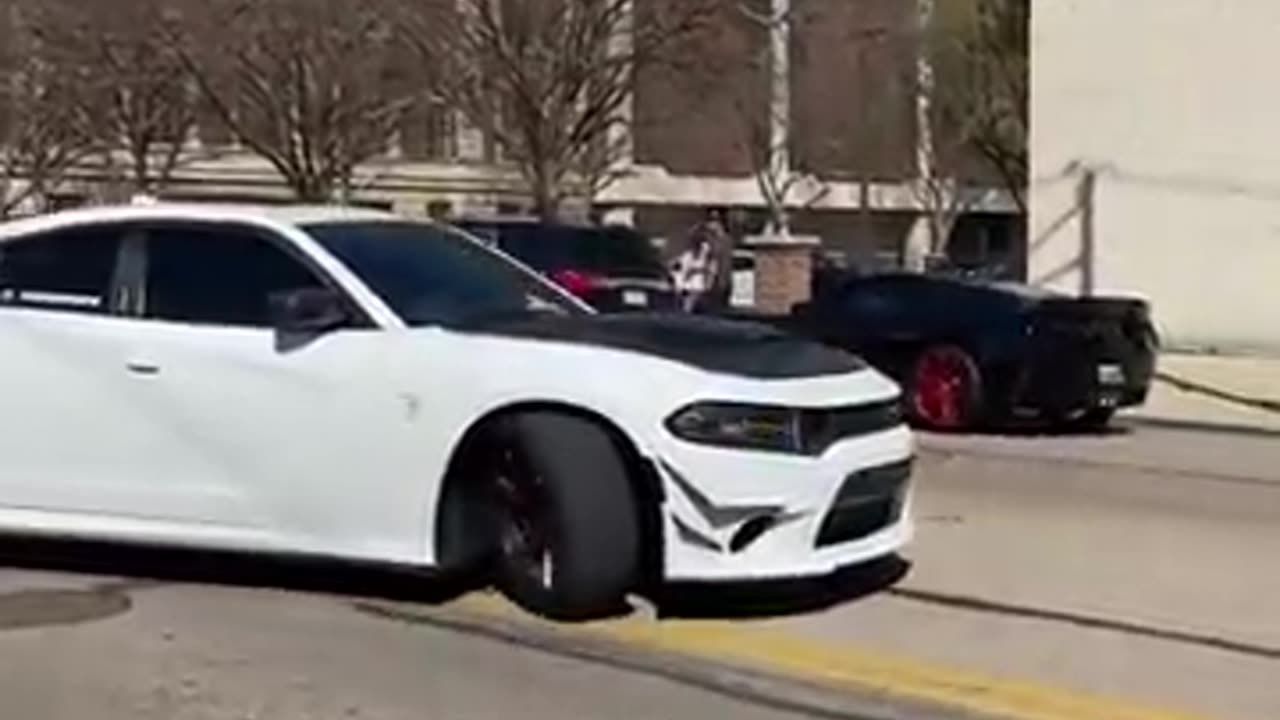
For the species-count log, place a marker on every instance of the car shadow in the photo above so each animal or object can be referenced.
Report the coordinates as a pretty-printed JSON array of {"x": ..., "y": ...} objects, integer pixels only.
[
  {"x": 144, "y": 566},
  {"x": 1034, "y": 430},
  {"x": 778, "y": 598},
  {"x": 135, "y": 566}
]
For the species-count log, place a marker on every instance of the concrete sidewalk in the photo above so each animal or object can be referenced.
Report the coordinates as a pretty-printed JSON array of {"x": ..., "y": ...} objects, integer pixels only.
[{"x": 1214, "y": 392}]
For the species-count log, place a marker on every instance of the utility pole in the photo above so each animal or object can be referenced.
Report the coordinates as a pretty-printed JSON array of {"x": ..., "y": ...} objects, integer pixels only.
[{"x": 1086, "y": 193}]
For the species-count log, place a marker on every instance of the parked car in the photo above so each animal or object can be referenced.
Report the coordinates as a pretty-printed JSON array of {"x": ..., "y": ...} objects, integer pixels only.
[
  {"x": 971, "y": 353},
  {"x": 613, "y": 268},
  {"x": 344, "y": 383}
]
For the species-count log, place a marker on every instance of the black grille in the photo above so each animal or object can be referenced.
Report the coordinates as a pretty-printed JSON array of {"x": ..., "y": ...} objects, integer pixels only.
[
  {"x": 868, "y": 502},
  {"x": 826, "y": 427}
]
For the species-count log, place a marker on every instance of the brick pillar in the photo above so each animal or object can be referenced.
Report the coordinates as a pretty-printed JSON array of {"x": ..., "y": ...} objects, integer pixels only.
[{"x": 784, "y": 272}]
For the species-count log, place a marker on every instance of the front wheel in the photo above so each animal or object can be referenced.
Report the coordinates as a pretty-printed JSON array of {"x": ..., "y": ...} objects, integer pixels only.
[{"x": 568, "y": 536}]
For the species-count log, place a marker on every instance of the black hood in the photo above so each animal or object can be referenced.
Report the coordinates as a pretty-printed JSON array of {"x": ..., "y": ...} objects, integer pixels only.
[{"x": 724, "y": 346}]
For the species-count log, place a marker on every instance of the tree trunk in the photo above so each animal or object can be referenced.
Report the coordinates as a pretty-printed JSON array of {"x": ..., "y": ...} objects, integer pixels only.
[
  {"x": 312, "y": 189},
  {"x": 546, "y": 208},
  {"x": 545, "y": 192},
  {"x": 141, "y": 180},
  {"x": 941, "y": 223}
]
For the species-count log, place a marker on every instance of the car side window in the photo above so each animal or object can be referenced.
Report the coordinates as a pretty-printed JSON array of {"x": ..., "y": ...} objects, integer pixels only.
[
  {"x": 67, "y": 270},
  {"x": 219, "y": 276}
]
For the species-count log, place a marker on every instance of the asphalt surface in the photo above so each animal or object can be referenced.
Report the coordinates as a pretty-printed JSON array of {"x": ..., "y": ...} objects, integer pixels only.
[
  {"x": 1138, "y": 565},
  {"x": 74, "y": 647}
]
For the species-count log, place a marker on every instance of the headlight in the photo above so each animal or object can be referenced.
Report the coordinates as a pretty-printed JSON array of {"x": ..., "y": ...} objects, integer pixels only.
[
  {"x": 740, "y": 426},
  {"x": 799, "y": 431}
]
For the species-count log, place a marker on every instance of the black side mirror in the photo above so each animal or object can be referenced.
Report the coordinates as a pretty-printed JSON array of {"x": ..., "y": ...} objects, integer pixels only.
[{"x": 309, "y": 311}]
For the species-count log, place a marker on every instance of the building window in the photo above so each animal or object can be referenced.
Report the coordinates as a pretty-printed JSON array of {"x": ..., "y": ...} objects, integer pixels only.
[{"x": 427, "y": 132}]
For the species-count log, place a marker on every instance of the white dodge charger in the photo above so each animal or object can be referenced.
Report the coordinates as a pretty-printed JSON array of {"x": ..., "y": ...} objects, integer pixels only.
[{"x": 350, "y": 384}]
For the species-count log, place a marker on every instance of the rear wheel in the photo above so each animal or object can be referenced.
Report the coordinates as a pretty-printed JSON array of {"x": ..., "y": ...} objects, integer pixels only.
[
  {"x": 945, "y": 389},
  {"x": 568, "y": 540}
]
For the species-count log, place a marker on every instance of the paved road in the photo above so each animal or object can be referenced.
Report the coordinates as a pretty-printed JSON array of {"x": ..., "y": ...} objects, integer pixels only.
[
  {"x": 75, "y": 647},
  {"x": 1137, "y": 566},
  {"x": 1141, "y": 565}
]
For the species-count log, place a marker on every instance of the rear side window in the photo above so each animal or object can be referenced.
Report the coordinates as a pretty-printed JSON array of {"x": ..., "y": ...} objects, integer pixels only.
[
  {"x": 68, "y": 270},
  {"x": 604, "y": 250},
  {"x": 219, "y": 276},
  {"x": 868, "y": 299}
]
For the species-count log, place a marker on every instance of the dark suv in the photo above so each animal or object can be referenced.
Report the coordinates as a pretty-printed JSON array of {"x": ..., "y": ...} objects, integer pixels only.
[{"x": 613, "y": 268}]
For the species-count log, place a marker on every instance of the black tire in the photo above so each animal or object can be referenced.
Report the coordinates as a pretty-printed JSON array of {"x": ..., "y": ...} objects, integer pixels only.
[{"x": 580, "y": 525}]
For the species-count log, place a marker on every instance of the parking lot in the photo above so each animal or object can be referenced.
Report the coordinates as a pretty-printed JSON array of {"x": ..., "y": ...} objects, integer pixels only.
[{"x": 1128, "y": 575}]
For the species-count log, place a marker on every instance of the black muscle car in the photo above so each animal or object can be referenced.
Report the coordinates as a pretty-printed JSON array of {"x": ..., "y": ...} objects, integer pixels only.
[{"x": 971, "y": 353}]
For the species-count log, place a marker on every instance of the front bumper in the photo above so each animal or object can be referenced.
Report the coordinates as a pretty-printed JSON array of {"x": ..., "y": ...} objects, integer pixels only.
[{"x": 733, "y": 515}]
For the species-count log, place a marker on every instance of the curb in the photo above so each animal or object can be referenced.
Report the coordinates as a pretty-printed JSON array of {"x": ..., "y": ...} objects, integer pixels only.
[
  {"x": 790, "y": 696},
  {"x": 774, "y": 668},
  {"x": 1199, "y": 388},
  {"x": 1200, "y": 426}
]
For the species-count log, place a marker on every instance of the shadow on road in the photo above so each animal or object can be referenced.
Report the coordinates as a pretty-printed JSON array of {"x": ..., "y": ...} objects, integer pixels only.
[
  {"x": 779, "y": 598},
  {"x": 1031, "y": 430},
  {"x": 143, "y": 566},
  {"x": 146, "y": 566}
]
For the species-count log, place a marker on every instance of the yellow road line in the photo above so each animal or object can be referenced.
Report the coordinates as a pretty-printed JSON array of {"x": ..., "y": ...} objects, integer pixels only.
[{"x": 841, "y": 666}]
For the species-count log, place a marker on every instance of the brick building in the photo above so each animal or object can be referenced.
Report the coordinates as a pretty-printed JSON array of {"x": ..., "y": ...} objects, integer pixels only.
[{"x": 853, "y": 121}]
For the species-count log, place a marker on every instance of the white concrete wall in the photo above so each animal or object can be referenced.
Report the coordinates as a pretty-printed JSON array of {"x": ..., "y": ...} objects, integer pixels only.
[{"x": 1176, "y": 103}]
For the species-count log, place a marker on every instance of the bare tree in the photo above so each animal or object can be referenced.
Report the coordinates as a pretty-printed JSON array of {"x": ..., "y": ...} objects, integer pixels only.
[
  {"x": 550, "y": 80},
  {"x": 315, "y": 87},
  {"x": 45, "y": 131},
  {"x": 753, "y": 77},
  {"x": 766, "y": 122},
  {"x": 784, "y": 182},
  {"x": 971, "y": 109},
  {"x": 975, "y": 74},
  {"x": 999, "y": 51},
  {"x": 137, "y": 90}
]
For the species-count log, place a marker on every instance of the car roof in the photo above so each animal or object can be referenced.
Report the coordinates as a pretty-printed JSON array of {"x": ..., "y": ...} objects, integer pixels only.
[
  {"x": 516, "y": 221},
  {"x": 526, "y": 223},
  {"x": 263, "y": 214},
  {"x": 972, "y": 286}
]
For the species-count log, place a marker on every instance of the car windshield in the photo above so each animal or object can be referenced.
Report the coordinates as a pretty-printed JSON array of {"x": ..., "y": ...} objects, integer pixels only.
[
  {"x": 432, "y": 276},
  {"x": 605, "y": 250}
]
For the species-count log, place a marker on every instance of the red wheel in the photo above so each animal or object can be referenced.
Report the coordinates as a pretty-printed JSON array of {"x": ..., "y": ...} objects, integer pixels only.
[{"x": 945, "y": 389}]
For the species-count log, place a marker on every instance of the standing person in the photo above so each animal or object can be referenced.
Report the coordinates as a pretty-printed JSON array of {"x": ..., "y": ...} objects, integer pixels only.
[
  {"x": 720, "y": 288},
  {"x": 692, "y": 271}
]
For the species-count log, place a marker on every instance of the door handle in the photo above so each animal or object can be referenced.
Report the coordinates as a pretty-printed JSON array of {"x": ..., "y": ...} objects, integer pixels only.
[{"x": 143, "y": 368}]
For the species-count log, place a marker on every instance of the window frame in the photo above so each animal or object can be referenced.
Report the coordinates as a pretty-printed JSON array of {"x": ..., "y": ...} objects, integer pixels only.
[
  {"x": 116, "y": 291},
  {"x": 147, "y": 232}
]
